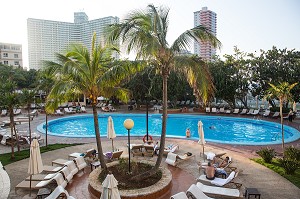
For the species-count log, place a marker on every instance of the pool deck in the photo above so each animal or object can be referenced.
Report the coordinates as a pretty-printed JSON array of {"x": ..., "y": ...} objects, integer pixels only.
[{"x": 270, "y": 184}]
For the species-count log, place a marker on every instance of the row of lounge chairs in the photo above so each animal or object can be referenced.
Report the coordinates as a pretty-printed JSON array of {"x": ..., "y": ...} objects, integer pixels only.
[
  {"x": 61, "y": 176},
  {"x": 70, "y": 111},
  {"x": 242, "y": 112},
  {"x": 150, "y": 149},
  {"x": 15, "y": 111}
]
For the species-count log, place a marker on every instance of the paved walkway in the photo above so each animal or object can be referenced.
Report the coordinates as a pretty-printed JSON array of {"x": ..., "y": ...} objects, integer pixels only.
[{"x": 270, "y": 184}]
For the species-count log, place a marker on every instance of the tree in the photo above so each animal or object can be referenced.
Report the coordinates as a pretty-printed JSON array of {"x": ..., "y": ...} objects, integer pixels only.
[
  {"x": 283, "y": 92},
  {"x": 95, "y": 74},
  {"x": 10, "y": 99},
  {"x": 145, "y": 32}
]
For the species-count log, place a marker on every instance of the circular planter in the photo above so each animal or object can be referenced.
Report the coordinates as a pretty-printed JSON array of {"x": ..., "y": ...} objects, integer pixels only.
[{"x": 151, "y": 192}]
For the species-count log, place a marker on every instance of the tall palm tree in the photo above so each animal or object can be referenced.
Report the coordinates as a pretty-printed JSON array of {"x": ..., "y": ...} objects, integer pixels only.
[
  {"x": 46, "y": 82},
  {"x": 28, "y": 98},
  {"x": 95, "y": 74},
  {"x": 145, "y": 32},
  {"x": 283, "y": 92}
]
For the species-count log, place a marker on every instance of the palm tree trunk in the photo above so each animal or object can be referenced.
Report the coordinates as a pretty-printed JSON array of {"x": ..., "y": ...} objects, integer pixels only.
[
  {"x": 29, "y": 123},
  {"x": 11, "y": 117},
  {"x": 281, "y": 120},
  {"x": 98, "y": 138},
  {"x": 46, "y": 128},
  {"x": 164, "y": 121}
]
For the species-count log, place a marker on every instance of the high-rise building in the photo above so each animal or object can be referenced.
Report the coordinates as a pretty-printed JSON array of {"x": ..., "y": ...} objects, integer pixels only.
[
  {"x": 11, "y": 54},
  {"x": 45, "y": 37},
  {"x": 208, "y": 19}
]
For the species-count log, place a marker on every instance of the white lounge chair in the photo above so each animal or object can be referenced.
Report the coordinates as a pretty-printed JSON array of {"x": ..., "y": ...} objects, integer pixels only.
[
  {"x": 33, "y": 113},
  {"x": 173, "y": 158},
  {"x": 207, "y": 109},
  {"x": 17, "y": 111},
  {"x": 236, "y": 111},
  {"x": 172, "y": 148},
  {"x": 80, "y": 163},
  {"x": 250, "y": 111},
  {"x": 72, "y": 167},
  {"x": 266, "y": 113},
  {"x": 244, "y": 111},
  {"x": 180, "y": 195},
  {"x": 67, "y": 173},
  {"x": 220, "y": 181},
  {"x": 214, "y": 110},
  {"x": 276, "y": 114},
  {"x": 228, "y": 111},
  {"x": 67, "y": 110},
  {"x": 82, "y": 109},
  {"x": 58, "y": 112},
  {"x": 222, "y": 110},
  {"x": 255, "y": 112},
  {"x": 3, "y": 112},
  {"x": 59, "y": 192},
  {"x": 195, "y": 192},
  {"x": 219, "y": 191}
]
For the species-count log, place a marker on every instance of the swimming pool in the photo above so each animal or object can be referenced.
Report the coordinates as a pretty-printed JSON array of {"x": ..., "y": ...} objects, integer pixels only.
[{"x": 229, "y": 130}]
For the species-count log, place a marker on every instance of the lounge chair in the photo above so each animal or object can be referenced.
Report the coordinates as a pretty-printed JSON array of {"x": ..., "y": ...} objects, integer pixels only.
[
  {"x": 88, "y": 154},
  {"x": 222, "y": 110},
  {"x": 51, "y": 169},
  {"x": 67, "y": 174},
  {"x": 236, "y": 111},
  {"x": 33, "y": 113},
  {"x": 111, "y": 156},
  {"x": 243, "y": 112},
  {"x": 40, "y": 177},
  {"x": 171, "y": 148},
  {"x": 219, "y": 192},
  {"x": 72, "y": 167},
  {"x": 228, "y": 111},
  {"x": 59, "y": 192},
  {"x": 149, "y": 150},
  {"x": 105, "y": 108},
  {"x": 58, "y": 178},
  {"x": 207, "y": 109},
  {"x": 80, "y": 163},
  {"x": 68, "y": 111},
  {"x": 17, "y": 111},
  {"x": 266, "y": 113},
  {"x": 180, "y": 195},
  {"x": 58, "y": 112},
  {"x": 255, "y": 112},
  {"x": 276, "y": 114},
  {"x": 250, "y": 111},
  {"x": 221, "y": 181},
  {"x": 3, "y": 112},
  {"x": 174, "y": 159},
  {"x": 214, "y": 110},
  {"x": 196, "y": 193},
  {"x": 82, "y": 109},
  {"x": 210, "y": 155},
  {"x": 136, "y": 149}
]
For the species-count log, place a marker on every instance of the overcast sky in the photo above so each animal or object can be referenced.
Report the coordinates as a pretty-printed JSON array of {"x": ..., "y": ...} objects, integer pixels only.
[{"x": 250, "y": 25}]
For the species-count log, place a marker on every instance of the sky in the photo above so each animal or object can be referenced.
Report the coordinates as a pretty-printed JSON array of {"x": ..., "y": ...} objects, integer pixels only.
[{"x": 250, "y": 25}]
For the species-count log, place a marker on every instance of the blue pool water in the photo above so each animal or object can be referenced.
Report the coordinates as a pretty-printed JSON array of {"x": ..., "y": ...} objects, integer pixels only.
[{"x": 225, "y": 129}]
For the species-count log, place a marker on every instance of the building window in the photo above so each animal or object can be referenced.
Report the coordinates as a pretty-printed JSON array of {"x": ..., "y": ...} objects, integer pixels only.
[
  {"x": 16, "y": 56},
  {"x": 6, "y": 62},
  {"x": 5, "y": 54},
  {"x": 16, "y": 63}
]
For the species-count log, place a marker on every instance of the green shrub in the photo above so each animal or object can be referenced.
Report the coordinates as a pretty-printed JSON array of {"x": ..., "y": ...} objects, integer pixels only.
[
  {"x": 292, "y": 153},
  {"x": 267, "y": 154},
  {"x": 290, "y": 166}
]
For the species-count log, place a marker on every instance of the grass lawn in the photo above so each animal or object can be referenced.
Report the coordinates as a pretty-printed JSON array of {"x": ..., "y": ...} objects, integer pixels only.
[
  {"x": 5, "y": 158},
  {"x": 275, "y": 166}
]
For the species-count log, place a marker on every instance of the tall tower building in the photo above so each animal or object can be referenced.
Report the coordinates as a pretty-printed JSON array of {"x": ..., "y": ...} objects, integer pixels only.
[
  {"x": 208, "y": 19},
  {"x": 45, "y": 37},
  {"x": 11, "y": 54}
]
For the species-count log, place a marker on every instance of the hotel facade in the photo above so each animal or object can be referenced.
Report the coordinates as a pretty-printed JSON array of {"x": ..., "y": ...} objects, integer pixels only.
[
  {"x": 45, "y": 37},
  {"x": 208, "y": 19},
  {"x": 11, "y": 54}
]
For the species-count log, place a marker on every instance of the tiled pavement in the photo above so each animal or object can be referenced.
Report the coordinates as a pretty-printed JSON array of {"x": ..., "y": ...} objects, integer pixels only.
[{"x": 270, "y": 184}]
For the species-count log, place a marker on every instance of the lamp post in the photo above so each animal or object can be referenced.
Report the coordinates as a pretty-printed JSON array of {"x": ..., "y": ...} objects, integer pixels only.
[
  {"x": 128, "y": 124},
  {"x": 147, "y": 120}
]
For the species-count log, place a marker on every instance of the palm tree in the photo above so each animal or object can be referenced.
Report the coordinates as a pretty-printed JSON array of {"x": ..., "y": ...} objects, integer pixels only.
[
  {"x": 10, "y": 99},
  {"x": 46, "y": 82},
  {"x": 145, "y": 32},
  {"x": 27, "y": 98},
  {"x": 95, "y": 74},
  {"x": 283, "y": 92}
]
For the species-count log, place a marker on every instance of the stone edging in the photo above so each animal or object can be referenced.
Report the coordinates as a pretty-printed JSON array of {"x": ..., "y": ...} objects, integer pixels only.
[{"x": 154, "y": 191}]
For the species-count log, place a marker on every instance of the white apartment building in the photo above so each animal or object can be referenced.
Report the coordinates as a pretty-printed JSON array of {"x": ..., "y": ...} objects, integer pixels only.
[
  {"x": 208, "y": 19},
  {"x": 11, "y": 54},
  {"x": 45, "y": 37}
]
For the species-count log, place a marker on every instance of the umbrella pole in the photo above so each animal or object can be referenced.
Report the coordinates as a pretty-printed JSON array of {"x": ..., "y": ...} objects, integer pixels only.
[
  {"x": 203, "y": 152},
  {"x": 112, "y": 144},
  {"x": 30, "y": 186}
]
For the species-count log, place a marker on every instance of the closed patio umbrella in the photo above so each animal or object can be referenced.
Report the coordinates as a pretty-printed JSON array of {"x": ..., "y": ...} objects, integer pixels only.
[
  {"x": 111, "y": 134},
  {"x": 201, "y": 136},
  {"x": 110, "y": 188},
  {"x": 35, "y": 160},
  {"x": 294, "y": 107}
]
